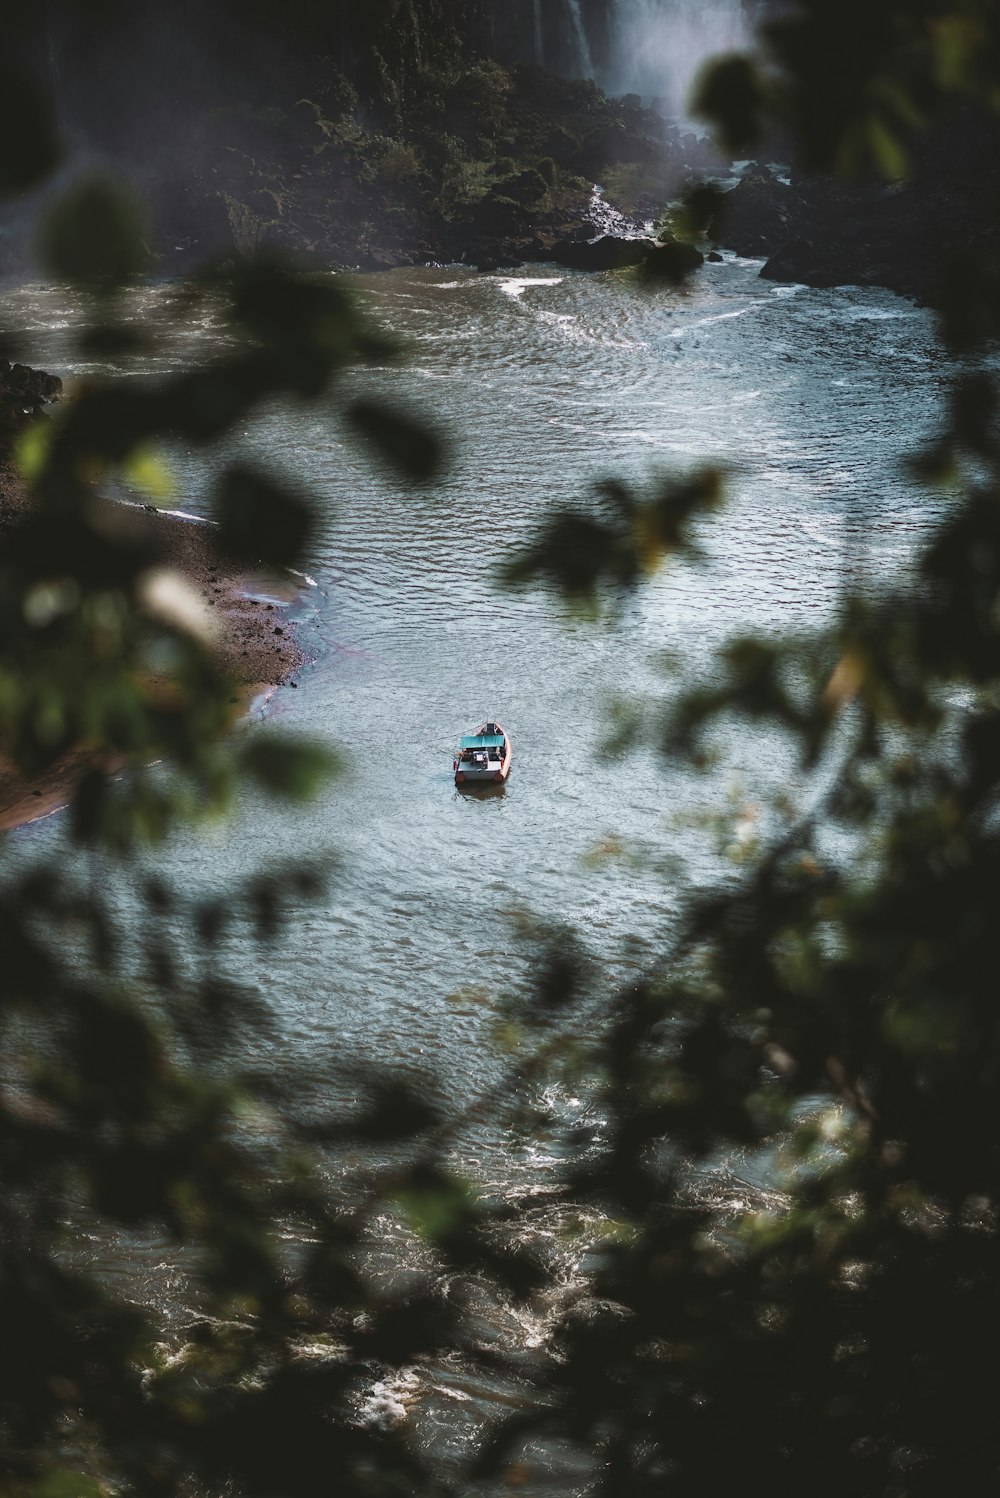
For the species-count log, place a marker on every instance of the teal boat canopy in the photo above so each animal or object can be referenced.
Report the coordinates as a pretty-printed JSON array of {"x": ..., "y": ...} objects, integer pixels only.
[{"x": 482, "y": 741}]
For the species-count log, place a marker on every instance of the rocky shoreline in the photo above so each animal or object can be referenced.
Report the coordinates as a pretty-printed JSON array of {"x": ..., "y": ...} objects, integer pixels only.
[
  {"x": 492, "y": 166},
  {"x": 253, "y": 644},
  {"x": 375, "y": 137},
  {"x": 914, "y": 236}
]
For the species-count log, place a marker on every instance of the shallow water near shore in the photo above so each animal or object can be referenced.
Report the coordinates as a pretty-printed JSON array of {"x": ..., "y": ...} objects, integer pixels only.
[{"x": 543, "y": 381}]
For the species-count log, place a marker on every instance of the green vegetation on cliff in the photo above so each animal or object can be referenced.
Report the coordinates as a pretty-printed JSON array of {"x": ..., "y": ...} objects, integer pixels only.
[{"x": 373, "y": 135}]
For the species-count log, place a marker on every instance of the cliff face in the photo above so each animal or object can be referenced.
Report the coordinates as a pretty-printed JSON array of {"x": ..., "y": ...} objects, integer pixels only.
[
  {"x": 480, "y": 161},
  {"x": 147, "y": 60},
  {"x": 391, "y": 132}
]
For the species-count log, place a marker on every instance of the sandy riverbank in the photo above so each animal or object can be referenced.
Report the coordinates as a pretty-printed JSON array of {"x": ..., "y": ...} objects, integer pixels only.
[{"x": 253, "y": 644}]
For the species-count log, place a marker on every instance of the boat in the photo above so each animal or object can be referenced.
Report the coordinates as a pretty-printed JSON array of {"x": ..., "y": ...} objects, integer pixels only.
[{"x": 483, "y": 756}]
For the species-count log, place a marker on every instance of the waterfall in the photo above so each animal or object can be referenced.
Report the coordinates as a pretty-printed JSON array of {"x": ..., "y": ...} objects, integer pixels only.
[
  {"x": 656, "y": 47},
  {"x": 539, "y": 34},
  {"x": 583, "y": 59}
]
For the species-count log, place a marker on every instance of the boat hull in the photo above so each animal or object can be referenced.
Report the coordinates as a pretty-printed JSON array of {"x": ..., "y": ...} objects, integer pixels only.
[
  {"x": 483, "y": 777},
  {"x": 493, "y": 771}
]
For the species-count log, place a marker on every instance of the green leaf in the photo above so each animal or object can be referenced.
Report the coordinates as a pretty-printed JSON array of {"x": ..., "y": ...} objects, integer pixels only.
[
  {"x": 261, "y": 520},
  {"x": 407, "y": 445},
  {"x": 888, "y": 154},
  {"x": 291, "y": 768},
  {"x": 32, "y": 450},
  {"x": 148, "y": 471},
  {"x": 94, "y": 235},
  {"x": 957, "y": 43},
  {"x": 699, "y": 206},
  {"x": 435, "y": 1203},
  {"x": 730, "y": 95},
  {"x": 62, "y": 1482}
]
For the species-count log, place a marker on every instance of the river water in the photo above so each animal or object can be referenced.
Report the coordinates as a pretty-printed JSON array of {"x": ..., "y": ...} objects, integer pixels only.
[{"x": 544, "y": 381}]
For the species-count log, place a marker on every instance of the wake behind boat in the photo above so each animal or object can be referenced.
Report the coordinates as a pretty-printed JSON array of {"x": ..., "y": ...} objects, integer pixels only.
[{"x": 483, "y": 756}]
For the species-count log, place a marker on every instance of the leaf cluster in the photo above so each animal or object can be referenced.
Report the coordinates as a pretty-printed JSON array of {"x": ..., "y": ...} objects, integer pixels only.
[{"x": 797, "y": 1159}]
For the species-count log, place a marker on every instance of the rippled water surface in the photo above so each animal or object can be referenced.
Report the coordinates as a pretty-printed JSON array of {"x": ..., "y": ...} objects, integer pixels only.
[{"x": 543, "y": 382}]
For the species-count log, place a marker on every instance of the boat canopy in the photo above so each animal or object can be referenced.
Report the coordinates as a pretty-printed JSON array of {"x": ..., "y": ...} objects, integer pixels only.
[{"x": 482, "y": 741}]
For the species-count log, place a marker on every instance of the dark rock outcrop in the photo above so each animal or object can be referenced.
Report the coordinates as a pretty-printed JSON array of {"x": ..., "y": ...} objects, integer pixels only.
[
  {"x": 23, "y": 392},
  {"x": 606, "y": 253},
  {"x": 498, "y": 160},
  {"x": 672, "y": 259},
  {"x": 757, "y": 215},
  {"x": 665, "y": 259},
  {"x": 500, "y": 217},
  {"x": 906, "y": 236}
]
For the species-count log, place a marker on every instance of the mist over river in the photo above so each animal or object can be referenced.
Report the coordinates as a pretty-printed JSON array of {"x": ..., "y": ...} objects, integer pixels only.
[{"x": 544, "y": 382}]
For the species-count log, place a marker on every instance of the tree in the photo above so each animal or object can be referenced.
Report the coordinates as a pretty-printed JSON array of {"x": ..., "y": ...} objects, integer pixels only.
[
  {"x": 836, "y": 1012},
  {"x": 839, "y": 1009},
  {"x": 111, "y": 1117}
]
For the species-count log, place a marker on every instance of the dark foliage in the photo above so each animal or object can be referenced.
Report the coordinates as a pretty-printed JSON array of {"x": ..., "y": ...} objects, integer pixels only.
[{"x": 831, "y": 1012}]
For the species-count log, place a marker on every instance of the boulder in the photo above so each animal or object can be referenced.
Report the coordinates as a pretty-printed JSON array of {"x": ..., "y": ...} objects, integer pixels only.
[
  {"x": 27, "y": 387},
  {"x": 756, "y": 216},
  {"x": 695, "y": 153},
  {"x": 23, "y": 392},
  {"x": 801, "y": 259},
  {"x": 672, "y": 259},
  {"x": 863, "y": 235},
  {"x": 378, "y": 257},
  {"x": 606, "y": 253},
  {"x": 498, "y": 215},
  {"x": 497, "y": 257}
]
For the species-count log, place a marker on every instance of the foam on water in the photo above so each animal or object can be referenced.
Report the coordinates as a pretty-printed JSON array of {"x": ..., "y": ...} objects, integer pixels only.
[{"x": 516, "y": 286}]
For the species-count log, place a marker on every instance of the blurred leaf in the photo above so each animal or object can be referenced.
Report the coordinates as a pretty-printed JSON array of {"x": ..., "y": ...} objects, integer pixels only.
[
  {"x": 699, "y": 205},
  {"x": 64, "y": 1482},
  {"x": 967, "y": 295},
  {"x": 623, "y": 539},
  {"x": 729, "y": 93},
  {"x": 114, "y": 341},
  {"x": 576, "y": 553},
  {"x": 291, "y": 768},
  {"x": 407, "y": 445},
  {"x": 395, "y": 1111},
  {"x": 147, "y": 470},
  {"x": 663, "y": 525},
  {"x": 312, "y": 328},
  {"x": 32, "y": 449},
  {"x": 94, "y": 235},
  {"x": 436, "y": 1203},
  {"x": 260, "y": 519},
  {"x": 957, "y": 41},
  {"x": 887, "y": 151}
]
